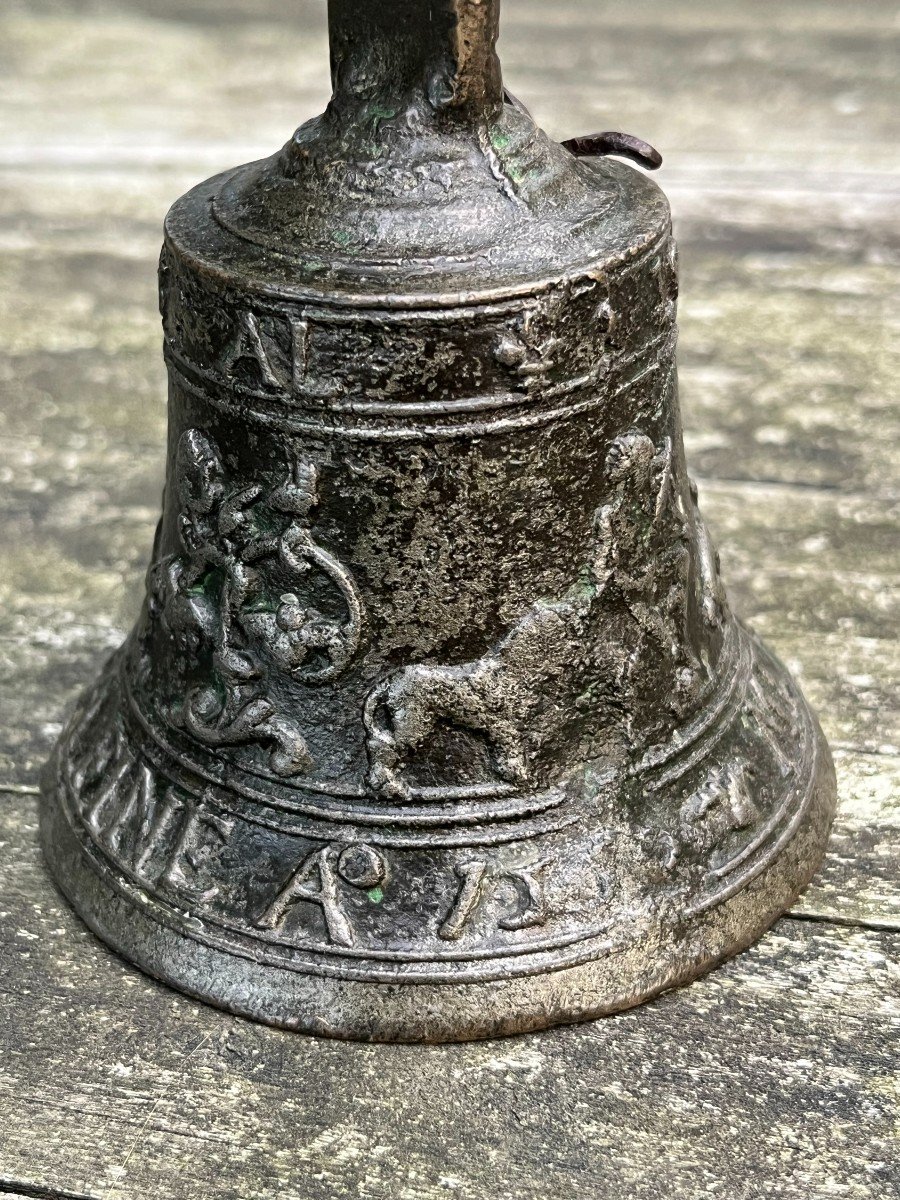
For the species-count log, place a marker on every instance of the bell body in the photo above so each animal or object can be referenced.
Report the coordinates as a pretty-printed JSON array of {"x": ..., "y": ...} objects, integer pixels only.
[{"x": 436, "y": 723}]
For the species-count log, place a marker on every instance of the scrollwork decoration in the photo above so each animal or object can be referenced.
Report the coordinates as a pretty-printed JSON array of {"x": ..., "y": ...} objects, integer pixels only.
[{"x": 214, "y": 597}]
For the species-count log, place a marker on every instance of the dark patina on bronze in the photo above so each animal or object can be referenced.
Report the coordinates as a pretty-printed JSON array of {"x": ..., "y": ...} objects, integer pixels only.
[{"x": 436, "y": 723}]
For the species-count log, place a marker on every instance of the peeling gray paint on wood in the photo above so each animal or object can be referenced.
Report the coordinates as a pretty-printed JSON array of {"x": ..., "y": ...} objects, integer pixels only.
[{"x": 777, "y": 1075}]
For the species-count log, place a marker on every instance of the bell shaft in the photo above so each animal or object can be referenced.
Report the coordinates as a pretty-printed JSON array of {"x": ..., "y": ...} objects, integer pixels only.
[{"x": 442, "y": 53}]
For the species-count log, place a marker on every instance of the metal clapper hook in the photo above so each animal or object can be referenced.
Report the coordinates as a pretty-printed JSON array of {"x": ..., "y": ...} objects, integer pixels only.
[{"x": 595, "y": 145}]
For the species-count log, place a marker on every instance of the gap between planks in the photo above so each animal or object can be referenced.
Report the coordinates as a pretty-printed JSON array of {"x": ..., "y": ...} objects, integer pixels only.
[
  {"x": 875, "y": 924},
  {"x": 36, "y": 1191}
]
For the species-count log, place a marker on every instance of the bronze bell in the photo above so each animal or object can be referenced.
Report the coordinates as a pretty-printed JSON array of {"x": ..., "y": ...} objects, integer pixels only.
[{"x": 436, "y": 723}]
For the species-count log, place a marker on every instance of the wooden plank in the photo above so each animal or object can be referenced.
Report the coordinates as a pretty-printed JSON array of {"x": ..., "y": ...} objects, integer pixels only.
[
  {"x": 776, "y": 1075},
  {"x": 9, "y": 1191},
  {"x": 786, "y": 375},
  {"x": 851, "y": 682},
  {"x": 860, "y": 880}
]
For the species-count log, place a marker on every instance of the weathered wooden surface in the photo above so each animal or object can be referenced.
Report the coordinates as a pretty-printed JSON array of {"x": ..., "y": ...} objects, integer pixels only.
[{"x": 776, "y": 1076}]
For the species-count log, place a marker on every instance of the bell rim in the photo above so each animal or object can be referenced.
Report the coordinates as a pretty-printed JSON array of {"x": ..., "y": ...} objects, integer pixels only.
[{"x": 669, "y": 951}]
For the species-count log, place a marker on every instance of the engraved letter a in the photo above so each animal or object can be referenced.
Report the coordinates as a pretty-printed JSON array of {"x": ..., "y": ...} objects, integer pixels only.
[
  {"x": 316, "y": 869},
  {"x": 248, "y": 343}
]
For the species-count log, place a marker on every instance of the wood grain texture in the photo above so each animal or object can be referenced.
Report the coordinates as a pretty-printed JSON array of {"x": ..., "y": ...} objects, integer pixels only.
[
  {"x": 774, "y": 1076},
  {"x": 777, "y": 1075}
]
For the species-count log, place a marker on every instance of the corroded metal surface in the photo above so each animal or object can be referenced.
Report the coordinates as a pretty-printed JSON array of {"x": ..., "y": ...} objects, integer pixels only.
[{"x": 436, "y": 723}]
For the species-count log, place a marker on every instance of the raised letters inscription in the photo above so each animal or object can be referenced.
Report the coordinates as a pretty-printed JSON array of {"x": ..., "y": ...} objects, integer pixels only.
[
  {"x": 317, "y": 880},
  {"x": 322, "y": 875},
  {"x": 474, "y": 880},
  {"x": 160, "y": 837},
  {"x": 252, "y": 344}
]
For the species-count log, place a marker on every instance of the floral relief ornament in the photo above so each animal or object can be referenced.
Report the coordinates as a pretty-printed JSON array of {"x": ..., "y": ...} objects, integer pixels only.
[{"x": 214, "y": 600}]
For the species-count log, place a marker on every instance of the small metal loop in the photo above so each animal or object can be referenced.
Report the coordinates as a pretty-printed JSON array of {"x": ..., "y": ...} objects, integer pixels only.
[
  {"x": 624, "y": 144},
  {"x": 595, "y": 145}
]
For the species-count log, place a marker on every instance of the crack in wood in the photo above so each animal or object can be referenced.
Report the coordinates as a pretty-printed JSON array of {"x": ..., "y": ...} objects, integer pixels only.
[
  {"x": 876, "y": 924},
  {"x": 38, "y": 1191}
]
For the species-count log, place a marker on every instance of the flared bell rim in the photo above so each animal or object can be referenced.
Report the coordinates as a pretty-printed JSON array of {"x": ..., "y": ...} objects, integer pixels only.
[
  {"x": 656, "y": 941},
  {"x": 663, "y": 957}
]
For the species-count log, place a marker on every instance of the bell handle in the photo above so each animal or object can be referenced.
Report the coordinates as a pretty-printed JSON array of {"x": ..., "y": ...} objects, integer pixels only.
[{"x": 395, "y": 52}]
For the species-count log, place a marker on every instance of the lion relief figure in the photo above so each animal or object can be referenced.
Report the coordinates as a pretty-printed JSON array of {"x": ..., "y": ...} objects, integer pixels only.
[
  {"x": 494, "y": 695},
  {"x": 518, "y": 693}
]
